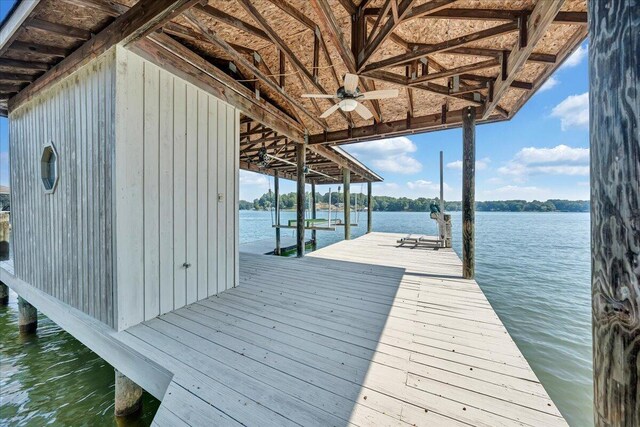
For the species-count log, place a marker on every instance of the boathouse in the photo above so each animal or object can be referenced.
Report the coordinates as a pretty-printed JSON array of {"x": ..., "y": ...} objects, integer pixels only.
[{"x": 129, "y": 123}]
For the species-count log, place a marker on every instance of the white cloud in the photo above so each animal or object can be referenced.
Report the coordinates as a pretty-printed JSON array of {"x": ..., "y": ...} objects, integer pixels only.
[
  {"x": 481, "y": 164},
  {"x": 576, "y": 57},
  {"x": 549, "y": 84},
  {"x": 252, "y": 185},
  {"x": 558, "y": 160},
  {"x": 388, "y": 155},
  {"x": 423, "y": 185},
  {"x": 573, "y": 111}
]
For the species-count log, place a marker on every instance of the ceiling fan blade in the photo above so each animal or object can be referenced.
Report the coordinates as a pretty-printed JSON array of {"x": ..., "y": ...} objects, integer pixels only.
[
  {"x": 330, "y": 111},
  {"x": 380, "y": 94},
  {"x": 350, "y": 82},
  {"x": 317, "y": 95},
  {"x": 363, "y": 111}
]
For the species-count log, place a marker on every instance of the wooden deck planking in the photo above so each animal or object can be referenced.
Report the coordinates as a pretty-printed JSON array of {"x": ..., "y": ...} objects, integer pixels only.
[{"x": 359, "y": 333}]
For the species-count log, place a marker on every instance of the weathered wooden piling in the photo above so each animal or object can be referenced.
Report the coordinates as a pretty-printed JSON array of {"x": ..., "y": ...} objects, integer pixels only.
[
  {"x": 4, "y": 294},
  {"x": 346, "y": 180},
  {"x": 27, "y": 317},
  {"x": 300, "y": 159},
  {"x": 614, "y": 75},
  {"x": 128, "y": 396},
  {"x": 276, "y": 189},
  {"x": 313, "y": 215},
  {"x": 369, "y": 208},
  {"x": 468, "y": 191}
]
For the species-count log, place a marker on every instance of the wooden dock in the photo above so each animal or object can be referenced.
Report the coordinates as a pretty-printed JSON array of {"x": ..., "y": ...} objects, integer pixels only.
[{"x": 359, "y": 333}]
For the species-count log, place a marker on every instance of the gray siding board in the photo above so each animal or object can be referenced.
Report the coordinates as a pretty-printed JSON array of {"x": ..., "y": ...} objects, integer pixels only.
[{"x": 62, "y": 240}]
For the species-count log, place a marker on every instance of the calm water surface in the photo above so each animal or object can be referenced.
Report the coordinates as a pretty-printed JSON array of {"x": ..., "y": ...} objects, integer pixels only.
[{"x": 533, "y": 267}]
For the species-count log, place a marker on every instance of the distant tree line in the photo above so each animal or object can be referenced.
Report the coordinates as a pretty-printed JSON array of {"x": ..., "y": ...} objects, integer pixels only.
[{"x": 421, "y": 204}]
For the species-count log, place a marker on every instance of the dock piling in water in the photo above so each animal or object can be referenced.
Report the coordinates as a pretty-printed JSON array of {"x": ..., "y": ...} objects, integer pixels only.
[
  {"x": 27, "y": 317},
  {"x": 468, "y": 192},
  {"x": 4, "y": 294},
  {"x": 128, "y": 396}
]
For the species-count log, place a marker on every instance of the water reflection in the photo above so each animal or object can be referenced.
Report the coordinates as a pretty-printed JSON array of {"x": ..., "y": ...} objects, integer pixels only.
[{"x": 50, "y": 378}]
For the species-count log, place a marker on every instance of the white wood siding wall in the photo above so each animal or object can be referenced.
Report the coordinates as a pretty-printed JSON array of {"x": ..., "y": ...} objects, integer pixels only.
[
  {"x": 62, "y": 241},
  {"x": 176, "y": 189}
]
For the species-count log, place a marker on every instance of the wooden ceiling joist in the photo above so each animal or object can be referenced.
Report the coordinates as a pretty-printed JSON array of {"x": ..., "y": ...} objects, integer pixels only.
[
  {"x": 23, "y": 65},
  {"x": 455, "y": 71}
]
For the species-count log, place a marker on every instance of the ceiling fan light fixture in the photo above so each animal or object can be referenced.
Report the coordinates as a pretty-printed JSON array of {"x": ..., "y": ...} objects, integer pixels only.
[{"x": 348, "y": 104}]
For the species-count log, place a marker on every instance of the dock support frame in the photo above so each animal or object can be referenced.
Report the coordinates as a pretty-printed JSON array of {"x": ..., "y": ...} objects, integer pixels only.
[
  {"x": 346, "y": 181},
  {"x": 369, "y": 208},
  {"x": 276, "y": 189},
  {"x": 128, "y": 396},
  {"x": 614, "y": 110},
  {"x": 314, "y": 234},
  {"x": 27, "y": 317},
  {"x": 300, "y": 161},
  {"x": 468, "y": 191}
]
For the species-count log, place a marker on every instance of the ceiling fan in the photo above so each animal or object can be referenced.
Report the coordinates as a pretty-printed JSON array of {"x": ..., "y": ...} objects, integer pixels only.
[{"x": 350, "y": 96}]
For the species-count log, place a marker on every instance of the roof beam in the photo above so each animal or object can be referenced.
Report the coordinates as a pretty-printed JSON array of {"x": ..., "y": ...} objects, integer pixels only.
[
  {"x": 543, "y": 58},
  {"x": 455, "y": 71},
  {"x": 175, "y": 57},
  {"x": 59, "y": 29},
  {"x": 541, "y": 17},
  {"x": 222, "y": 44},
  {"x": 40, "y": 49},
  {"x": 503, "y": 15},
  {"x": 23, "y": 65},
  {"x": 144, "y": 17},
  {"x": 348, "y": 6},
  {"x": 401, "y": 127},
  {"x": 107, "y": 7},
  {"x": 330, "y": 27},
  {"x": 443, "y": 46}
]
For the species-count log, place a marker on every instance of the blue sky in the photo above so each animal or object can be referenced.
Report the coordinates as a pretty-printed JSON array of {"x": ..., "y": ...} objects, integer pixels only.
[{"x": 541, "y": 153}]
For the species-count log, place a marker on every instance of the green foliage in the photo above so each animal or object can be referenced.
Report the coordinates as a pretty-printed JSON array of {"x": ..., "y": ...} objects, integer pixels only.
[{"x": 421, "y": 204}]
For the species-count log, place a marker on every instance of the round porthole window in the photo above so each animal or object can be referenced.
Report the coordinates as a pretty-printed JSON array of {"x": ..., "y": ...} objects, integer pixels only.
[{"x": 49, "y": 168}]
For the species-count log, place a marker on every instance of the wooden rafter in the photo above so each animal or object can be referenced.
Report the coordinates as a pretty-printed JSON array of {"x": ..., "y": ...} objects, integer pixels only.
[
  {"x": 441, "y": 47},
  {"x": 404, "y": 8},
  {"x": 222, "y": 44},
  {"x": 504, "y": 15},
  {"x": 293, "y": 59},
  {"x": 143, "y": 18},
  {"x": 331, "y": 29},
  {"x": 221, "y": 16},
  {"x": 455, "y": 71},
  {"x": 24, "y": 65},
  {"x": 59, "y": 29},
  {"x": 541, "y": 17},
  {"x": 108, "y": 7}
]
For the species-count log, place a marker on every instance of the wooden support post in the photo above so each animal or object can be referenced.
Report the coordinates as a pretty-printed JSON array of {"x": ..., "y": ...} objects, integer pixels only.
[
  {"x": 128, "y": 396},
  {"x": 441, "y": 182},
  {"x": 276, "y": 185},
  {"x": 27, "y": 317},
  {"x": 313, "y": 214},
  {"x": 468, "y": 191},
  {"x": 4, "y": 294},
  {"x": 614, "y": 71},
  {"x": 369, "y": 207},
  {"x": 346, "y": 177},
  {"x": 300, "y": 159}
]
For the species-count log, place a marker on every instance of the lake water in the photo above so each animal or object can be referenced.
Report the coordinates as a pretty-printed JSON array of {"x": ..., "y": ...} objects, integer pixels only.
[{"x": 533, "y": 267}]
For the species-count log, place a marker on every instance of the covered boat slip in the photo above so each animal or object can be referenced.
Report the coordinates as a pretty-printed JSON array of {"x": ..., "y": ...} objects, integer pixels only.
[{"x": 358, "y": 333}]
